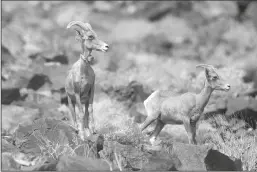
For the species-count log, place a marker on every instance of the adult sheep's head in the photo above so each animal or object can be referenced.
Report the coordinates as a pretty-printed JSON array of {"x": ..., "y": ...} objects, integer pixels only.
[{"x": 88, "y": 36}]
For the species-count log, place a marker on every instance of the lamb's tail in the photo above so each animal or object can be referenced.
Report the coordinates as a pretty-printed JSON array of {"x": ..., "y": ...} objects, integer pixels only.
[{"x": 153, "y": 101}]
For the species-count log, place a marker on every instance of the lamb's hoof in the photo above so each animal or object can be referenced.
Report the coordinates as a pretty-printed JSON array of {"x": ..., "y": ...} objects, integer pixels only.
[
  {"x": 155, "y": 142},
  {"x": 87, "y": 132},
  {"x": 82, "y": 135},
  {"x": 93, "y": 131}
]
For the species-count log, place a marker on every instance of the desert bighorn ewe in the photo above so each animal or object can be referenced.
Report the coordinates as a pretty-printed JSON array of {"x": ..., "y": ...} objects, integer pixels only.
[
  {"x": 80, "y": 82},
  {"x": 185, "y": 109}
]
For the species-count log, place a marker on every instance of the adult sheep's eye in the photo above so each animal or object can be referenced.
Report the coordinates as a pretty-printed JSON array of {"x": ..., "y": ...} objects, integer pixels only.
[{"x": 91, "y": 37}]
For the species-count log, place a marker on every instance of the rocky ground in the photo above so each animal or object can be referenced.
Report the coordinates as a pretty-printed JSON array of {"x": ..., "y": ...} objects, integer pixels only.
[{"x": 153, "y": 45}]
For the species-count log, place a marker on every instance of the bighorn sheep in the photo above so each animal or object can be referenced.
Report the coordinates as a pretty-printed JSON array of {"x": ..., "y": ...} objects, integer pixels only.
[
  {"x": 184, "y": 109},
  {"x": 80, "y": 82}
]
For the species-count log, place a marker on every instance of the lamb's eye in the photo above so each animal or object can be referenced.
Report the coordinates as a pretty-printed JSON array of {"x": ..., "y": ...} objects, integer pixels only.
[{"x": 215, "y": 77}]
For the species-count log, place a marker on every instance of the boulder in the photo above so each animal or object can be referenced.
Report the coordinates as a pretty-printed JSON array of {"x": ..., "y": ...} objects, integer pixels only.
[
  {"x": 13, "y": 115},
  {"x": 61, "y": 58},
  {"x": 27, "y": 137},
  {"x": 185, "y": 157},
  {"x": 44, "y": 133},
  {"x": 37, "y": 81},
  {"x": 9, "y": 95},
  {"x": 216, "y": 161},
  {"x": 79, "y": 163},
  {"x": 8, "y": 163}
]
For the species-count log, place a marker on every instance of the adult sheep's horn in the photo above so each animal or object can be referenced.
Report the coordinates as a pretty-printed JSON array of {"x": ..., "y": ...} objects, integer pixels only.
[{"x": 84, "y": 26}]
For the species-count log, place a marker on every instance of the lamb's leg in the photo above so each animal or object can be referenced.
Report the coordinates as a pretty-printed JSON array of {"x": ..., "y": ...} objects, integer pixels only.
[
  {"x": 72, "y": 110},
  {"x": 159, "y": 126},
  {"x": 191, "y": 131}
]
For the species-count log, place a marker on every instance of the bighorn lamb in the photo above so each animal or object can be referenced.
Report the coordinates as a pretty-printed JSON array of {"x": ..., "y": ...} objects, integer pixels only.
[{"x": 185, "y": 109}]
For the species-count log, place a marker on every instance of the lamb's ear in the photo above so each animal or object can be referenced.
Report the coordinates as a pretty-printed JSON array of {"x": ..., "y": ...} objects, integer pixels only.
[{"x": 207, "y": 68}]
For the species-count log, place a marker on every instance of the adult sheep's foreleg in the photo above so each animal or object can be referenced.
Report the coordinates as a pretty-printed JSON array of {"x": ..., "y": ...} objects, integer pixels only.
[
  {"x": 81, "y": 123},
  {"x": 90, "y": 107},
  {"x": 72, "y": 110},
  {"x": 86, "y": 120}
]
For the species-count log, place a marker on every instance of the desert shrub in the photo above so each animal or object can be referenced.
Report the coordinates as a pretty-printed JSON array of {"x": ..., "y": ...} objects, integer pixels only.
[{"x": 233, "y": 140}]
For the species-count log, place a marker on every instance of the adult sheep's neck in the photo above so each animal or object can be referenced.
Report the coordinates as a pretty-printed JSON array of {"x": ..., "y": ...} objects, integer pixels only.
[
  {"x": 203, "y": 97},
  {"x": 84, "y": 59}
]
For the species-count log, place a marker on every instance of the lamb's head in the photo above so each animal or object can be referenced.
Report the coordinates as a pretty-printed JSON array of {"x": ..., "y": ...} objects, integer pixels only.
[
  {"x": 88, "y": 36},
  {"x": 214, "y": 80}
]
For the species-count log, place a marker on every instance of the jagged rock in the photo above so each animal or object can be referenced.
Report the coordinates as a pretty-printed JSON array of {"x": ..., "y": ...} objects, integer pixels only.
[
  {"x": 77, "y": 163},
  {"x": 8, "y": 162},
  {"x": 43, "y": 164},
  {"x": 6, "y": 146},
  {"x": 13, "y": 115}
]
